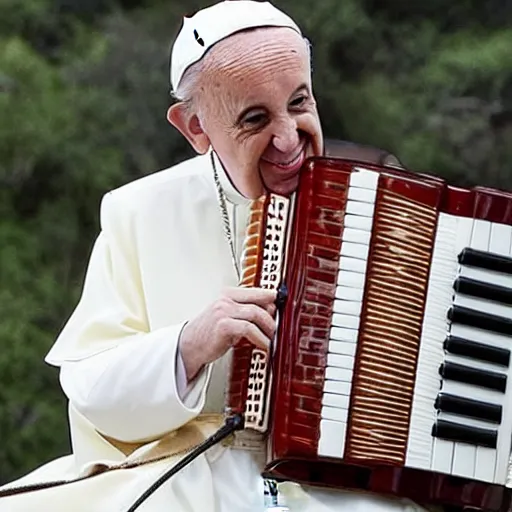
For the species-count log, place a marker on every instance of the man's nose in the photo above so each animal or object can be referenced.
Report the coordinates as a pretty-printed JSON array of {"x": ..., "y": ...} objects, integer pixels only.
[{"x": 286, "y": 135}]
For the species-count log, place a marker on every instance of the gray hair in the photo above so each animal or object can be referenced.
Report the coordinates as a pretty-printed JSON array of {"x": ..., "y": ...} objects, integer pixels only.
[{"x": 189, "y": 83}]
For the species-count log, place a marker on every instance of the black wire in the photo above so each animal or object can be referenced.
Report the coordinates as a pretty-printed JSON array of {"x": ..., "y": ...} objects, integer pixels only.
[{"x": 232, "y": 424}]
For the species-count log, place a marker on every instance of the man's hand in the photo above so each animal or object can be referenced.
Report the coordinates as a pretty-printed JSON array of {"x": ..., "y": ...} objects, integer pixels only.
[{"x": 239, "y": 313}]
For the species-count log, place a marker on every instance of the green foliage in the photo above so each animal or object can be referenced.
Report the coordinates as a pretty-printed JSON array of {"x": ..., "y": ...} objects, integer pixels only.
[{"x": 83, "y": 96}]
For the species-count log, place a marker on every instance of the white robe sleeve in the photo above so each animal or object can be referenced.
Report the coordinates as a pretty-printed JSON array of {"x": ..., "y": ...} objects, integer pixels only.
[
  {"x": 132, "y": 392},
  {"x": 125, "y": 378}
]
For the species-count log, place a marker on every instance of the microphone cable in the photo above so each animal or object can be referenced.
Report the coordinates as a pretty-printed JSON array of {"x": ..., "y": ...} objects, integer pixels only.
[{"x": 232, "y": 424}]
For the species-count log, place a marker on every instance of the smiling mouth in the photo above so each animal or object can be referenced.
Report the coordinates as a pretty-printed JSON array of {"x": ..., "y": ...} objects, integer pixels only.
[{"x": 291, "y": 163}]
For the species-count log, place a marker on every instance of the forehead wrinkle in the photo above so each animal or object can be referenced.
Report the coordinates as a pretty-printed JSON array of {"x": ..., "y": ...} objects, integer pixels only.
[
  {"x": 254, "y": 50},
  {"x": 246, "y": 60}
]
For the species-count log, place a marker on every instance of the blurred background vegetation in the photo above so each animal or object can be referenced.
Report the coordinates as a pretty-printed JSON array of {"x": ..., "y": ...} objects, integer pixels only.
[{"x": 83, "y": 95}]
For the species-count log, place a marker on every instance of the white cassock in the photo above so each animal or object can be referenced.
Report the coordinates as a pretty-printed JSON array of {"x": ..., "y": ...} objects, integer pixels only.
[{"x": 160, "y": 259}]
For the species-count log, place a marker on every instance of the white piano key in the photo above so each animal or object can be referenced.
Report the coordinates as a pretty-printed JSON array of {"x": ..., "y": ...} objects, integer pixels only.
[
  {"x": 501, "y": 239},
  {"x": 474, "y": 363},
  {"x": 345, "y": 321},
  {"x": 340, "y": 374},
  {"x": 342, "y": 334},
  {"x": 336, "y": 401},
  {"x": 463, "y": 234},
  {"x": 358, "y": 222},
  {"x": 364, "y": 178},
  {"x": 481, "y": 336},
  {"x": 335, "y": 414},
  {"x": 340, "y": 361},
  {"x": 337, "y": 387},
  {"x": 353, "y": 250},
  {"x": 362, "y": 209},
  {"x": 442, "y": 456},
  {"x": 465, "y": 455},
  {"x": 364, "y": 195},
  {"x": 474, "y": 392},
  {"x": 488, "y": 276},
  {"x": 342, "y": 348},
  {"x": 352, "y": 264},
  {"x": 500, "y": 243},
  {"x": 484, "y": 306},
  {"x": 466, "y": 421},
  {"x": 421, "y": 451},
  {"x": 464, "y": 458},
  {"x": 481, "y": 235},
  {"x": 351, "y": 279},
  {"x": 347, "y": 307},
  {"x": 358, "y": 236},
  {"x": 485, "y": 464},
  {"x": 331, "y": 442},
  {"x": 347, "y": 293}
]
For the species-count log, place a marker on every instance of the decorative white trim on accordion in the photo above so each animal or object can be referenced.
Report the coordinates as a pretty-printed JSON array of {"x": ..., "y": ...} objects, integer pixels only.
[{"x": 273, "y": 257}]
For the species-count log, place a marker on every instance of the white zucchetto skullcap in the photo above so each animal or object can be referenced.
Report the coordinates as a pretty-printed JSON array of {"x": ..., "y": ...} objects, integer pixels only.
[{"x": 212, "y": 24}]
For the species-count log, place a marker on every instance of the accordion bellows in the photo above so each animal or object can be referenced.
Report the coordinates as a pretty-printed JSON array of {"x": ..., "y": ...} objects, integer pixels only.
[{"x": 389, "y": 371}]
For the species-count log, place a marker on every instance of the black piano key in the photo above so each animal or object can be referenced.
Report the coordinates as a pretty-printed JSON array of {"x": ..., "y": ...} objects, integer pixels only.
[
  {"x": 481, "y": 290},
  {"x": 480, "y": 320},
  {"x": 465, "y": 434},
  {"x": 469, "y": 407},
  {"x": 475, "y": 350},
  {"x": 486, "y": 260},
  {"x": 476, "y": 376}
]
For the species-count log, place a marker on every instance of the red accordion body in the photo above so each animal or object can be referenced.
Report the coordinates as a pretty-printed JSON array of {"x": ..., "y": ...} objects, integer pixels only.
[{"x": 390, "y": 371}]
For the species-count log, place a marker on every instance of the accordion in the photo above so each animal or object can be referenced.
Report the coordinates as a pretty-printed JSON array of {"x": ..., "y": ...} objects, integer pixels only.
[{"x": 389, "y": 372}]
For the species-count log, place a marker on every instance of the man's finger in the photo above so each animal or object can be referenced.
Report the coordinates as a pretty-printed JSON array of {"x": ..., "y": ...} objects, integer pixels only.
[
  {"x": 258, "y": 296},
  {"x": 250, "y": 332},
  {"x": 258, "y": 316}
]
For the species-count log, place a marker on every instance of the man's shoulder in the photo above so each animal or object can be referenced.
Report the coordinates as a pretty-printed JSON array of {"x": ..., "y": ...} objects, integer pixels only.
[{"x": 191, "y": 173}]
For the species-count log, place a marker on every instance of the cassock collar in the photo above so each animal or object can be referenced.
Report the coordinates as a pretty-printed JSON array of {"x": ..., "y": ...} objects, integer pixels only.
[{"x": 232, "y": 194}]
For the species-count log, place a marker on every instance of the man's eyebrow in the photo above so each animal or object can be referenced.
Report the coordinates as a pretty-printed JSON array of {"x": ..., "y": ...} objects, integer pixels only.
[{"x": 245, "y": 111}]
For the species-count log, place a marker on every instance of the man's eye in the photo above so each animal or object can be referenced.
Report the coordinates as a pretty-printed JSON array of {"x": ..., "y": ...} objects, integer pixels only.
[
  {"x": 255, "y": 119},
  {"x": 299, "y": 101}
]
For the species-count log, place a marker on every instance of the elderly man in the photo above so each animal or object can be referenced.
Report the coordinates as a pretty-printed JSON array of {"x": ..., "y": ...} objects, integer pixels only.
[{"x": 144, "y": 357}]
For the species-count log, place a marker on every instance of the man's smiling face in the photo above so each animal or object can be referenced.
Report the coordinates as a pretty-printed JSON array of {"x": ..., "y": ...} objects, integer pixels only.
[{"x": 256, "y": 107}]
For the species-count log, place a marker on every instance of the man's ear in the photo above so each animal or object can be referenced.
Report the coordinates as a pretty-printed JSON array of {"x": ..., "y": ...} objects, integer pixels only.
[{"x": 188, "y": 124}]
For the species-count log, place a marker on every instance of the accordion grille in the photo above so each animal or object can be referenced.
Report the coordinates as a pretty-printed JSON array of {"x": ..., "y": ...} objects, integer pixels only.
[
  {"x": 252, "y": 245},
  {"x": 390, "y": 332},
  {"x": 242, "y": 352}
]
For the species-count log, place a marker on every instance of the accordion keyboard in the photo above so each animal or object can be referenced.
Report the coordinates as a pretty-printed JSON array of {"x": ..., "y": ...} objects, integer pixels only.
[
  {"x": 461, "y": 423},
  {"x": 347, "y": 310},
  {"x": 392, "y": 365}
]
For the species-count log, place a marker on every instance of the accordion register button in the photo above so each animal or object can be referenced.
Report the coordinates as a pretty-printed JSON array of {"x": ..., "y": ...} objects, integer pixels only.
[
  {"x": 348, "y": 307},
  {"x": 340, "y": 361},
  {"x": 342, "y": 348},
  {"x": 340, "y": 374},
  {"x": 353, "y": 250},
  {"x": 335, "y": 413},
  {"x": 332, "y": 438},
  {"x": 362, "y": 209},
  {"x": 346, "y": 321},
  {"x": 358, "y": 222},
  {"x": 337, "y": 387},
  {"x": 336, "y": 401},
  {"x": 343, "y": 334},
  {"x": 352, "y": 264},
  {"x": 357, "y": 236},
  {"x": 351, "y": 279},
  {"x": 347, "y": 293},
  {"x": 364, "y": 178},
  {"x": 364, "y": 195}
]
